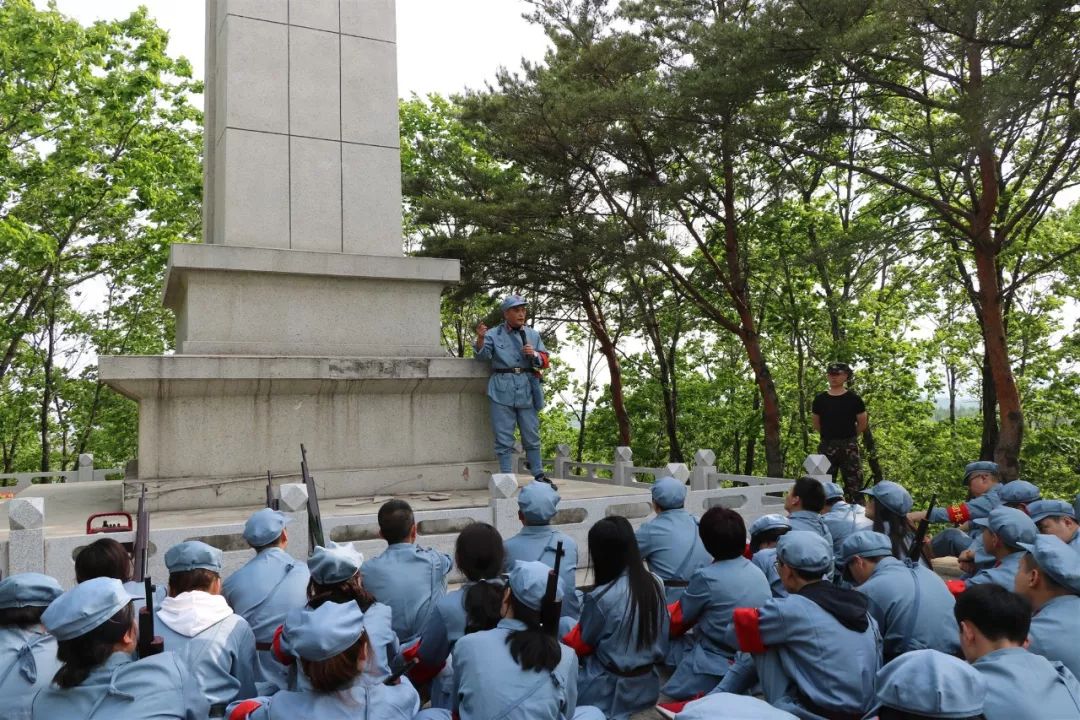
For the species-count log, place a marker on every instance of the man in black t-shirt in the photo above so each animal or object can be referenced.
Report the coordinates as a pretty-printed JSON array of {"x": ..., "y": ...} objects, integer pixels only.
[{"x": 840, "y": 416}]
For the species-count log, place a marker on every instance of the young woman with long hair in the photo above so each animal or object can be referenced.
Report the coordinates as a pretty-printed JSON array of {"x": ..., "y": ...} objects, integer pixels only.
[
  {"x": 887, "y": 505},
  {"x": 27, "y": 652}
]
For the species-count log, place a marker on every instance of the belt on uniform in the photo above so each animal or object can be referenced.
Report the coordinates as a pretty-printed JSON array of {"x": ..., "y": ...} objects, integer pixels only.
[
  {"x": 264, "y": 647},
  {"x": 515, "y": 370},
  {"x": 632, "y": 672},
  {"x": 676, "y": 583},
  {"x": 813, "y": 707},
  {"x": 218, "y": 711}
]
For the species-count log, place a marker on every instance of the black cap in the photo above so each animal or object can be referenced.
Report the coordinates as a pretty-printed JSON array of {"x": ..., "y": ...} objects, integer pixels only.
[{"x": 838, "y": 367}]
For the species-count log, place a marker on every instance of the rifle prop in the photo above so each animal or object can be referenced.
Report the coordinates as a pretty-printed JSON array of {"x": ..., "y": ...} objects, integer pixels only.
[
  {"x": 550, "y": 608},
  {"x": 396, "y": 677},
  {"x": 918, "y": 548},
  {"x": 142, "y": 538},
  {"x": 315, "y": 529},
  {"x": 149, "y": 644},
  {"x": 271, "y": 501}
]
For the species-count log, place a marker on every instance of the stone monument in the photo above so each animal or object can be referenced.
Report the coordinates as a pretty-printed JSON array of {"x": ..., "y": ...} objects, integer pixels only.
[{"x": 298, "y": 319}]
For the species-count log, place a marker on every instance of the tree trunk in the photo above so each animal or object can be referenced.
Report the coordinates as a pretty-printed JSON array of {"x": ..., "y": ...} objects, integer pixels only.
[
  {"x": 665, "y": 360},
  {"x": 585, "y": 399},
  {"x": 47, "y": 389},
  {"x": 607, "y": 348}
]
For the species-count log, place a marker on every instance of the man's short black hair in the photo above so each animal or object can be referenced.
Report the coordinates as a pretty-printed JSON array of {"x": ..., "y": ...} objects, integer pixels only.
[
  {"x": 396, "y": 521},
  {"x": 766, "y": 536},
  {"x": 723, "y": 533},
  {"x": 811, "y": 492},
  {"x": 997, "y": 613}
]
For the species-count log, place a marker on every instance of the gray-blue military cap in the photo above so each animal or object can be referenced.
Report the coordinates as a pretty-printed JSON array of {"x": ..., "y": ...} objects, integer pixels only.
[
  {"x": 805, "y": 550},
  {"x": 668, "y": 493},
  {"x": 193, "y": 555},
  {"x": 865, "y": 544},
  {"x": 931, "y": 683},
  {"x": 324, "y": 632},
  {"x": 537, "y": 502},
  {"x": 85, "y": 607},
  {"x": 1019, "y": 491},
  {"x": 528, "y": 583},
  {"x": 28, "y": 590},
  {"x": 1059, "y": 561},
  {"x": 981, "y": 466},
  {"x": 1011, "y": 525},
  {"x": 511, "y": 301},
  {"x": 264, "y": 527},
  {"x": 334, "y": 563},
  {"x": 769, "y": 522},
  {"x": 832, "y": 491},
  {"x": 1042, "y": 509},
  {"x": 892, "y": 495}
]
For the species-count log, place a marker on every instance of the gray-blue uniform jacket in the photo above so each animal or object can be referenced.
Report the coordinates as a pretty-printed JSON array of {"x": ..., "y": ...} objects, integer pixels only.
[
  {"x": 1003, "y": 573},
  {"x": 410, "y": 579},
  {"x": 445, "y": 626},
  {"x": 803, "y": 652},
  {"x": 617, "y": 677},
  {"x": 913, "y": 608},
  {"x": 765, "y": 559},
  {"x": 538, "y": 543},
  {"x": 27, "y": 664},
  {"x": 503, "y": 348},
  {"x": 221, "y": 658},
  {"x": 841, "y": 521},
  {"x": 712, "y": 596},
  {"x": 1024, "y": 686},
  {"x": 1055, "y": 632},
  {"x": 670, "y": 544},
  {"x": 365, "y": 699},
  {"x": 262, "y": 592},
  {"x": 154, "y": 688},
  {"x": 490, "y": 684},
  {"x": 812, "y": 521}
]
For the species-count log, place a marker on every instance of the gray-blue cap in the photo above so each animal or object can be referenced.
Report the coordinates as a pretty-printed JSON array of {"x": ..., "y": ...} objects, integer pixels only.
[
  {"x": 85, "y": 607},
  {"x": 805, "y": 550},
  {"x": 932, "y": 684},
  {"x": 669, "y": 493},
  {"x": 1019, "y": 491},
  {"x": 865, "y": 544},
  {"x": 320, "y": 634},
  {"x": 511, "y": 301},
  {"x": 537, "y": 502},
  {"x": 769, "y": 522},
  {"x": 528, "y": 583},
  {"x": 28, "y": 590},
  {"x": 1059, "y": 561},
  {"x": 892, "y": 496},
  {"x": 981, "y": 466},
  {"x": 833, "y": 491},
  {"x": 264, "y": 527},
  {"x": 334, "y": 563},
  {"x": 1042, "y": 509},
  {"x": 1011, "y": 525},
  {"x": 193, "y": 555}
]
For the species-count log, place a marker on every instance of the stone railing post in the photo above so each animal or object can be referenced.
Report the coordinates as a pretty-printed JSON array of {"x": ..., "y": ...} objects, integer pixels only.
[
  {"x": 517, "y": 462},
  {"x": 85, "y": 472},
  {"x": 704, "y": 466},
  {"x": 26, "y": 542},
  {"x": 817, "y": 467},
  {"x": 622, "y": 468},
  {"x": 679, "y": 471},
  {"x": 562, "y": 461},
  {"x": 502, "y": 488},
  {"x": 293, "y": 502}
]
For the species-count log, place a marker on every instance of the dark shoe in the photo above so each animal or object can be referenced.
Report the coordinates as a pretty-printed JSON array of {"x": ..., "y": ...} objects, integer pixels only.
[{"x": 545, "y": 479}]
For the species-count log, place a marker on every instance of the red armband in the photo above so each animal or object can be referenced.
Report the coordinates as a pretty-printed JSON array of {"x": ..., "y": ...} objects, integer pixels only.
[
  {"x": 678, "y": 625},
  {"x": 545, "y": 359},
  {"x": 746, "y": 552},
  {"x": 573, "y": 640},
  {"x": 956, "y": 586},
  {"x": 275, "y": 648},
  {"x": 422, "y": 673},
  {"x": 241, "y": 711},
  {"x": 747, "y": 632},
  {"x": 959, "y": 514}
]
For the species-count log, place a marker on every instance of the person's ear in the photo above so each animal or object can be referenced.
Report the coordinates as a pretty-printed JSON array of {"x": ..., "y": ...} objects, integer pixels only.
[{"x": 967, "y": 633}]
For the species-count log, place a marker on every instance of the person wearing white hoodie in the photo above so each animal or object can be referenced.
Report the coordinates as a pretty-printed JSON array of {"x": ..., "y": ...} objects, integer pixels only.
[{"x": 196, "y": 622}]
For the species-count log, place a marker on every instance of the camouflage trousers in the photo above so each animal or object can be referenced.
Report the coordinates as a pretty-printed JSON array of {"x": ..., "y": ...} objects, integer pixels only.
[{"x": 843, "y": 454}]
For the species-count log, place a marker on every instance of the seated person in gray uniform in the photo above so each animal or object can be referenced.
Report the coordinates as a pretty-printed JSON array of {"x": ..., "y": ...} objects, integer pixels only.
[
  {"x": 27, "y": 652},
  {"x": 669, "y": 542},
  {"x": 842, "y": 518},
  {"x": 925, "y": 684},
  {"x": 765, "y": 532},
  {"x": 714, "y": 592},
  {"x": 1020, "y": 685},
  {"x": 815, "y": 652},
  {"x": 197, "y": 624},
  {"x": 267, "y": 587},
  {"x": 982, "y": 479},
  {"x": 406, "y": 577},
  {"x": 912, "y": 606},
  {"x": 1005, "y": 532},
  {"x": 1017, "y": 494},
  {"x": 1058, "y": 518},
  {"x": 887, "y": 506},
  {"x": 99, "y": 679},
  {"x": 333, "y": 648},
  {"x": 107, "y": 558},
  {"x": 1049, "y": 578},
  {"x": 804, "y": 503},
  {"x": 537, "y": 503}
]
